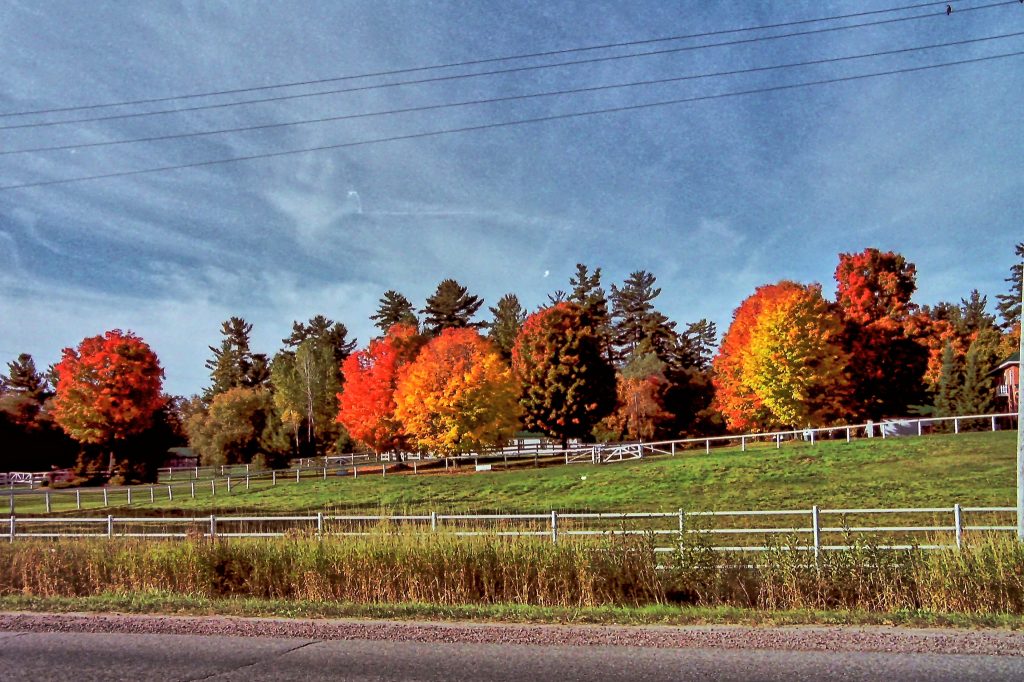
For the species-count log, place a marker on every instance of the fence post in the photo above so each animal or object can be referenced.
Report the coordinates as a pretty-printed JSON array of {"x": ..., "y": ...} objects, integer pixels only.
[
  {"x": 246, "y": 468},
  {"x": 247, "y": 481},
  {"x": 919, "y": 432},
  {"x": 197, "y": 473},
  {"x": 383, "y": 469},
  {"x": 778, "y": 441},
  {"x": 12, "y": 528},
  {"x": 213, "y": 526},
  {"x": 105, "y": 502},
  {"x": 682, "y": 523},
  {"x": 129, "y": 494},
  {"x": 812, "y": 436},
  {"x": 78, "y": 499},
  {"x": 743, "y": 443},
  {"x": 10, "y": 501},
  {"x": 213, "y": 487},
  {"x": 47, "y": 501},
  {"x": 110, "y": 526},
  {"x": 152, "y": 494},
  {"x": 847, "y": 434},
  {"x": 816, "y": 528},
  {"x": 319, "y": 524},
  {"x": 956, "y": 425},
  {"x": 958, "y": 522},
  {"x": 554, "y": 526},
  {"x": 993, "y": 422},
  {"x": 170, "y": 494},
  {"x": 707, "y": 447},
  {"x": 433, "y": 521},
  {"x": 673, "y": 449},
  {"x": 297, "y": 470},
  {"x": 414, "y": 467},
  {"x": 229, "y": 485},
  {"x": 325, "y": 473},
  {"x": 192, "y": 486}
]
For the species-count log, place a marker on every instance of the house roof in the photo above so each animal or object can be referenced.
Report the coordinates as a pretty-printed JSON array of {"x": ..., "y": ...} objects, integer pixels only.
[{"x": 1011, "y": 360}]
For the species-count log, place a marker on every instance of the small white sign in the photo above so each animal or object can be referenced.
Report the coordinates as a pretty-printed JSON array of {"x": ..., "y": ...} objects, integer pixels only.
[{"x": 483, "y": 467}]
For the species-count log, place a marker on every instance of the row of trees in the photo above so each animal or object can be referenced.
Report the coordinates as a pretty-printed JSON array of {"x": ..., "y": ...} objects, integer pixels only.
[
  {"x": 587, "y": 364},
  {"x": 792, "y": 358},
  {"x": 319, "y": 395}
]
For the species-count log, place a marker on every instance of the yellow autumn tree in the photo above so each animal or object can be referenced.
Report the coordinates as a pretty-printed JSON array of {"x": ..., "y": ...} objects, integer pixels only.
[
  {"x": 795, "y": 363},
  {"x": 458, "y": 396}
]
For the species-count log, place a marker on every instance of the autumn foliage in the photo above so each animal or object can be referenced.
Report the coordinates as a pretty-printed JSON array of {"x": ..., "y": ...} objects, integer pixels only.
[
  {"x": 108, "y": 388},
  {"x": 874, "y": 286},
  {"x": 567, "y": 384},
  {"x": 780, "y": 363},
  {"x": 458, "y": 395},
  {"x": 367, "y": 405}
]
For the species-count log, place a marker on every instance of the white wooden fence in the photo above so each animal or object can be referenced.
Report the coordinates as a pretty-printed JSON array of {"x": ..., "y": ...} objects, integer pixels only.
[
  {"x": 187, "y": 482},
  {"x": 816, "y": 529}
]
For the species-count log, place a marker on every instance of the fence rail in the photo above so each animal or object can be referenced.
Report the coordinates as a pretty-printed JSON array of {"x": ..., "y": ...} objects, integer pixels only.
[
  {"x": 187, "y": 482},
  {"x": 927, "y": 528}
]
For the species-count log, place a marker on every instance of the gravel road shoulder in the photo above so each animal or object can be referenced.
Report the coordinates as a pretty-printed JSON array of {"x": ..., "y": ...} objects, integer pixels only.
[{"x": 803, "y": 638}]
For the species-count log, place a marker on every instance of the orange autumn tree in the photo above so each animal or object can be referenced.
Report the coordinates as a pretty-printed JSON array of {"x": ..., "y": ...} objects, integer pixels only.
[
  {"x": 739, "y": 404},
  {"x": 780, "y": 362},
  {"x": 886, "y": 346},
  {"x": 459, "y": 395},
  {"x": 794, "y": 363},
  {"x": 108, "y": 390},
  {"x": 367, "y": 403}
]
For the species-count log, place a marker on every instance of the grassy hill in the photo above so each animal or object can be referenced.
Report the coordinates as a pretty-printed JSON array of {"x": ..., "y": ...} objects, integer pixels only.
[{"x": 974, "y": 469}]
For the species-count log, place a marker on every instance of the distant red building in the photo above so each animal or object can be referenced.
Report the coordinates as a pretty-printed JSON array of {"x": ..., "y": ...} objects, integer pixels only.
[{"x": 1007, "y": 376}]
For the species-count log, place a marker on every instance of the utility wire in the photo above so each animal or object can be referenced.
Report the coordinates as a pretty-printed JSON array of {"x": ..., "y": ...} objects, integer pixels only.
[
  {"x": 509, "y": 98},
  {"x": 519, "y": 69},
  {"x": 473, "y": 62},
  {"x": 505, "y": 124}
]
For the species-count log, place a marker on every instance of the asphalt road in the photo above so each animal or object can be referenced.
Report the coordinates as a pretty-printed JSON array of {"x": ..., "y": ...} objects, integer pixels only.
[{"x": 81, "y": 657}]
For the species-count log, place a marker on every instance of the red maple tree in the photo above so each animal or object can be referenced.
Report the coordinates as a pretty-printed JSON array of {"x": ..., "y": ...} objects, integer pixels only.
[
  {"x": 367, "y": 404},
  {"x": 108, "y": 388}
]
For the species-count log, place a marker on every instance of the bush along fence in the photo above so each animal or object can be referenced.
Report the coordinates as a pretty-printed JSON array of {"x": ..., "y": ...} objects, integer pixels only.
[{"x": 814, "y": 530}]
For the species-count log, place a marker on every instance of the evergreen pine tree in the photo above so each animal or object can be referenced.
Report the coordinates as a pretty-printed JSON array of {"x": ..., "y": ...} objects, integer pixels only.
[
  {"x": 949, "y": 381},
  {"x": 975, "y": 393},
  {"x": 450, "y": 307},
  {"x": 233, "y": 364},
  {"x": 508, "y": 317},
  {"x": 323, "y": 330},
  {"x": 973, "y": 314},
  {"x": 1009, "y": 304},
  {"x": 588, "y": 293},
  {"x": 635, "y": 318},
  {"x": 22, "y": 378},
  {"x": 700, "y": 340},
  {"x": 394, "y": 309}
]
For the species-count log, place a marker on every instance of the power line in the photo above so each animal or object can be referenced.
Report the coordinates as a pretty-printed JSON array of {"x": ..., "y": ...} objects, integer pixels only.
[
  {"x": 505, "y": 124},
  {"x": 495, "y": 72},
  {"x": 509, "y": 98},
  {"x": 472, "y": 62}
]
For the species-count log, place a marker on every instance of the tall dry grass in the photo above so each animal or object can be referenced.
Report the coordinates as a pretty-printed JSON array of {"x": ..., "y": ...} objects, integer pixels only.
[
  {"x": 987, "y": 576},
  {"x": 384, "y": 568}
]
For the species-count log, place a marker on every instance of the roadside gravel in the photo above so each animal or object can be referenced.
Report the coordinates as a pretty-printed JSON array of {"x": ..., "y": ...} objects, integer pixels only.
[{"x": 809, "y": 638}]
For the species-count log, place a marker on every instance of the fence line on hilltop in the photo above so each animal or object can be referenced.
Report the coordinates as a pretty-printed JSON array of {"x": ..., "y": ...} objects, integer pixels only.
[{"x": 240, "y": 477}]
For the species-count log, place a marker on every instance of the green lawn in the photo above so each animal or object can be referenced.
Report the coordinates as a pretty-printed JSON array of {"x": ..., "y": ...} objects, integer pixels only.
[{"x": 974, "y": 469}]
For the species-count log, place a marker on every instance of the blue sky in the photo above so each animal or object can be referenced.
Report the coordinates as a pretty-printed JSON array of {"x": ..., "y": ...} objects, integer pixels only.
[{"x": 713, "y": 197}]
